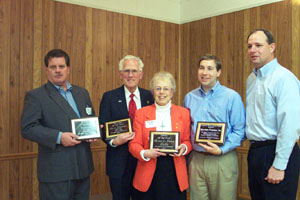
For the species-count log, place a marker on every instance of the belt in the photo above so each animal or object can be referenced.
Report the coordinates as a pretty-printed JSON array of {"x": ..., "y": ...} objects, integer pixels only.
[{"x": 257, "y": 144}]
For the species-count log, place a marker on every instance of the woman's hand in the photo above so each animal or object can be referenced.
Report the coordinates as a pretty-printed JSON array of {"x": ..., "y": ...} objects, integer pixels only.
[
  {"x": 153, "y": 153},
  {"x": 181, "y": 149}
]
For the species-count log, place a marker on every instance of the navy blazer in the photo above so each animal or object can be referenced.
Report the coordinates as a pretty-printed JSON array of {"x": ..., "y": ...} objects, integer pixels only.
[
  {"x": 45, "y": 114},
  {"x": 113, "y": 107}
]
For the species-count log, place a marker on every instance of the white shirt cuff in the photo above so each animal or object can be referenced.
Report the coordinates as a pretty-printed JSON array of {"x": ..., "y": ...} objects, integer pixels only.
[
  {"x": 186, "y": 149},
  {"x": 143, "y": 157},
  {"x": 111, "y": 143}
]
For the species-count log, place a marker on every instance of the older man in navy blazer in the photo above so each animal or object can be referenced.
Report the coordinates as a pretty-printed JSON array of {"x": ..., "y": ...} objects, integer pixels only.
[
  {"x": 120, "y": 164},
  {"x": 64, "y": 164}
]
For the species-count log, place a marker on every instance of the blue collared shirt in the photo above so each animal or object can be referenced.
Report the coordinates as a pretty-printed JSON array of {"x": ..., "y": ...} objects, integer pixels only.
[
  {"x": 69, "y": 98},
  {"x": 220, "y": 104},
  {"x": 273, "y": 109}
]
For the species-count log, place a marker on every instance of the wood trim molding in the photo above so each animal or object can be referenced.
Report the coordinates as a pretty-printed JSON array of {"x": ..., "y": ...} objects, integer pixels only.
[
  {"x": 26, "y": 155},
  {"x": 242, "y": 150},
  {"x": 17, "y": 156}
]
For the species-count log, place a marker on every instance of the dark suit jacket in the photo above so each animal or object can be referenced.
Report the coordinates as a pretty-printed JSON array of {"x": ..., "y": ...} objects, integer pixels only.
[
  {"x": 45, "y": 114},
  {"x": 113, "y": 107}
]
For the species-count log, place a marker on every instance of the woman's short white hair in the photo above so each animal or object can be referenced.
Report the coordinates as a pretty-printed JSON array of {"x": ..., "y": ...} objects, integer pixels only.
[
  {"x": 130, "y": 57},
  {"x": 163, "y": 76}
]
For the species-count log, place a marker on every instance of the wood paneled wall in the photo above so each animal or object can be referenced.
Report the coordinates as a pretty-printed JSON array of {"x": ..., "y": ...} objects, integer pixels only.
[
  {"x": 225, "y": 36},
  {"x": 96, "y": 40}
]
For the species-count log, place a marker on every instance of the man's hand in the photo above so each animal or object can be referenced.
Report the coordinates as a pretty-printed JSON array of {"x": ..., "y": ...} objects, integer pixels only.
[
  {"x": 181, "y": 149},
  {"x": 275, "y": 176},
  {"x": 211, "y": 148},
  {"x": 68, "y": 139},
  {"x": 153, "y": 153},
  {"x": 95, "y": 140},
  {"x": 123, "y": 138},
  {"x": 91, "y": 140}
]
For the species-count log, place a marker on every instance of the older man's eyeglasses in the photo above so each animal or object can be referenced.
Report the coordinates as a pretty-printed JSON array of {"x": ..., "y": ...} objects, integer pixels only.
[
  {"x": 133, "y": 72},
  {"x": 165, "y": 89}
]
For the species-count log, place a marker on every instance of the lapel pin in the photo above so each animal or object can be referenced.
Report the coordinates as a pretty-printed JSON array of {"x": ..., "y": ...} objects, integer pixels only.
[
  {"x": 88, "y": 110},
  {"x": 120, "y": 101}
]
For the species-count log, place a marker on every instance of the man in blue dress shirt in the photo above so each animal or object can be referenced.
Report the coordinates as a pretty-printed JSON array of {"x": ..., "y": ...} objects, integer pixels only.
[
  {"x": 213, "y": 169},
  {"x": 272, "y": 126}
]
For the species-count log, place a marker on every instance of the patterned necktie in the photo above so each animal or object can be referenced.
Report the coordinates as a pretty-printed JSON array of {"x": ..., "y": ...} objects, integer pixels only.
[{"x": 132, "y": 107}]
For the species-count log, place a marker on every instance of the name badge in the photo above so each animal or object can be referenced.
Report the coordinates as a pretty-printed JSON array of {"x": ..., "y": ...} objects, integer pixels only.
[
  {"x": 150, "y": 123},
  {"x": 88, "y": 110}
]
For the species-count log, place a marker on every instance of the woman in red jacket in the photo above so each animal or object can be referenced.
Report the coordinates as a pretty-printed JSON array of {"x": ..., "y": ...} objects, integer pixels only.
[{"x": 159, "y": 175}]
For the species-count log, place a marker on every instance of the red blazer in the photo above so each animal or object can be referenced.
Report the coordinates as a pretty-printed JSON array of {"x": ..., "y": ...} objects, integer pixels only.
[{"x": 180, "y": 118}]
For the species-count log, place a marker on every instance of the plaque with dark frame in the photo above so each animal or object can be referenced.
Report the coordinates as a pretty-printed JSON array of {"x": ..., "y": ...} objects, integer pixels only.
[
  {"x": 86, "y": 128},
  {"x": 115, "y": 128},
  {"x": 166, "y": 141},
  {"x": 211, "y": 132}
]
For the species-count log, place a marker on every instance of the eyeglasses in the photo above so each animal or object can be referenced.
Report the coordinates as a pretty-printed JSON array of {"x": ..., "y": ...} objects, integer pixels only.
[
  {"x": 128, "y": 71},
  {"x": 165, "y": 89}
]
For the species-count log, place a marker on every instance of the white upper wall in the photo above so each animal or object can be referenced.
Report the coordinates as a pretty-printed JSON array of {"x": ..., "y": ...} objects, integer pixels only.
[
  {"x": 192, "y": 10},
  {"x": 174, "y": 11}
]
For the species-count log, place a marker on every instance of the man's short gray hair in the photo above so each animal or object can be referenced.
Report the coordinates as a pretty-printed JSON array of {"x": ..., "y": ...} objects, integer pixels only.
[{"x": 130, "y": 57}]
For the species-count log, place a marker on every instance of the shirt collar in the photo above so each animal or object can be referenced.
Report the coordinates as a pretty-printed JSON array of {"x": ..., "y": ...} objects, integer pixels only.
[
  {"x": 212, "y": 90},
  {"x": 266, "y": 69},
  {"x": 69, "y": 87},
  {"x": 128, "y": 93}
]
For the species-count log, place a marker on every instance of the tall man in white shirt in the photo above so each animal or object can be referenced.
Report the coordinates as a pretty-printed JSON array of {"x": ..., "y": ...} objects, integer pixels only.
[
  {"x": 272, "y": 122},
  {"x": 115, "y": 105}
]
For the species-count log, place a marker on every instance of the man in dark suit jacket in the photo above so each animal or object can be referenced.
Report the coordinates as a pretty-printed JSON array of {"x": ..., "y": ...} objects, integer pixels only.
[
  {"x": 120, "y": 164},
  {"x": 64, "y": 164}
]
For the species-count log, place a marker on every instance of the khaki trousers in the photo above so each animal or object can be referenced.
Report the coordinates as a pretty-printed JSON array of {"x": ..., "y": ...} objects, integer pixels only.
[{"x": 213, "y": 177}]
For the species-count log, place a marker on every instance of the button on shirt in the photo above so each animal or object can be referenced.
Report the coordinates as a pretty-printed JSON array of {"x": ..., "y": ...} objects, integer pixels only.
[
  {"x": 273, "y": 109},
  {"x": 220, "y": 104}
]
